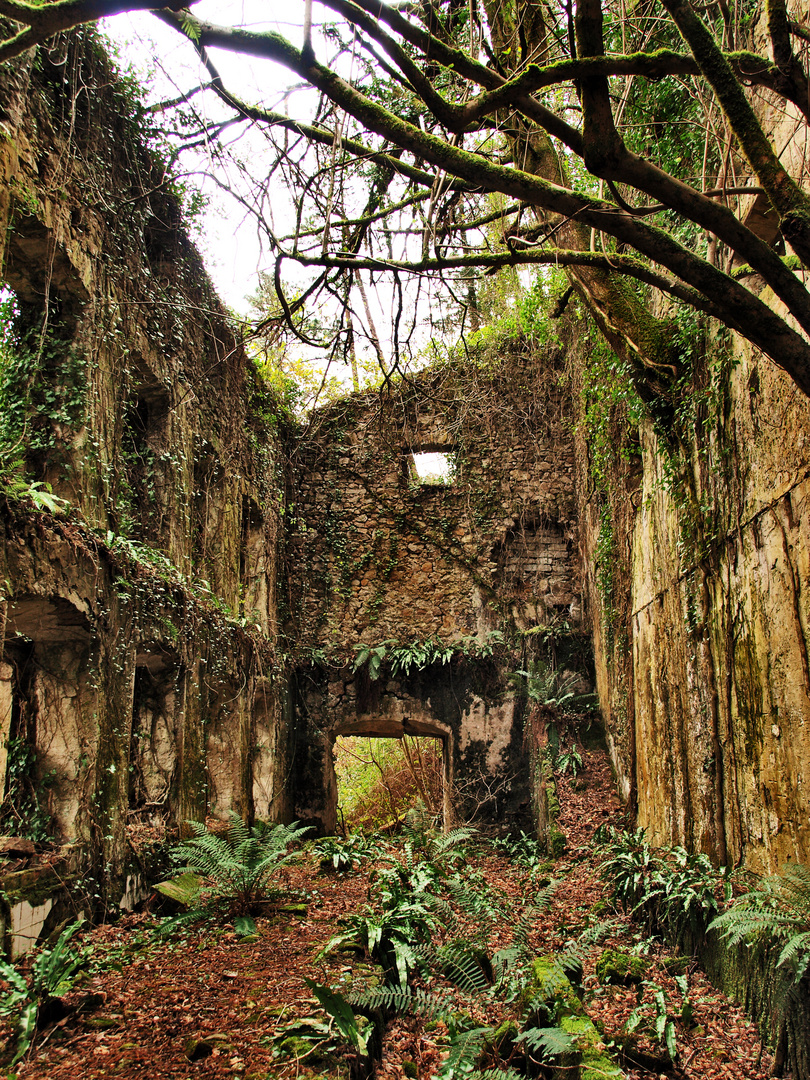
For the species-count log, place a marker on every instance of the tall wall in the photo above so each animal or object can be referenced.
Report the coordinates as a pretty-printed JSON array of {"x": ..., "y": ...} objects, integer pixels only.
[
  {"x": 701, "y": 632},
  {"x": 382, "y": 560},
  {"x": 139, "y": 669}
]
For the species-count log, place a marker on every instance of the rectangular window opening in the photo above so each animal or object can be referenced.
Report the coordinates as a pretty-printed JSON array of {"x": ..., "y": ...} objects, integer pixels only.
[{"x": 432, "y": 467}]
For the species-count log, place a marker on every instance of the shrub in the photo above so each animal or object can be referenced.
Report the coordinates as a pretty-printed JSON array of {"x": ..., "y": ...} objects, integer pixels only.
[{"x": 228, "y": 875}]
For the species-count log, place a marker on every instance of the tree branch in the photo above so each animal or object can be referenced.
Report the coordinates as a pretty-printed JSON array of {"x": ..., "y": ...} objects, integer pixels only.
[
  {"x": 44, "y": 20},
  {"x": 742, "y": 309},
  {"x": 786, "y": 196}
]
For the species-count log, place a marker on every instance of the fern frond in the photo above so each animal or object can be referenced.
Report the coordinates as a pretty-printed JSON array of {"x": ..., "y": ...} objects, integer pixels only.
[
  {"x": 594, "y": 934},
  {"x": 796, "y": 954},
  {"x": 452, "y": 839},
  {"x": 541, "y": 903},
  {"x": 496, "y": 1074},
  {"x": 475, "y": 903},
  {"x": 504, "y": 959},
  {"x": 465, "y": 1050},
  {"x": 238, "y": 832},
  {"x": 543, "y": 899},
  {"x": 439, "y": 907},
  {"x": 180, "y": 922},
  {"x": 465, "y": 966},
  {"x": 546, "y": 1041},
  {"x": 401, "y": 999}
]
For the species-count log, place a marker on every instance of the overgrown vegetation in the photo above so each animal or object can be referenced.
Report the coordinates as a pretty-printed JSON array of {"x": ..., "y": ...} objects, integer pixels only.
[
  {"x": 669, "y": 890},
  {"x": 432, "y": 887},
  {"x": 52, "y": 974},
  {"x": 227, "y": 875},
  {"x": 771, "y": 918},
  {"x": 42, "y": 390}
]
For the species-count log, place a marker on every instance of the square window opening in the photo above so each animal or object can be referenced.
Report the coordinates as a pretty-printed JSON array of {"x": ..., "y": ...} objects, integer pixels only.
[{"x": 432, "y": 467}]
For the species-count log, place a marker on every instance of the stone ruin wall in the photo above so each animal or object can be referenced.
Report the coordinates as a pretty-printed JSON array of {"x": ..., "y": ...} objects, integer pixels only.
[
  {"x": 704, "y": 679},
  {"x": 139, "y": 630},
  {"x": 139, "y": 662},
  {"x": 380, "y": 557},
  {"x": 151, "y": 689},
  {"x": 378, "y": 554},
  {"x": 706, "y": 689}
]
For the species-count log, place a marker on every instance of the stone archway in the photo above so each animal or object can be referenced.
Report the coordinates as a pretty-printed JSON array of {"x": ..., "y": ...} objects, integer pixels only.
[
  {"x": 389, "y": 725},
  {"x": 469, "y": 705}
]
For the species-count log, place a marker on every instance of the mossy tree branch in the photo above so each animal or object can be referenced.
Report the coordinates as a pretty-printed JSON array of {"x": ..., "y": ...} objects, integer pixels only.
[
  {"x": 791, "y": 203},
  {"x": 437, "y": 137}
]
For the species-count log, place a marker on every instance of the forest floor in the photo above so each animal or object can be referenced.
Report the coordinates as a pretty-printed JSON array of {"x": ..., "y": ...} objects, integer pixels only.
[{"x": 210, "y": 1004}]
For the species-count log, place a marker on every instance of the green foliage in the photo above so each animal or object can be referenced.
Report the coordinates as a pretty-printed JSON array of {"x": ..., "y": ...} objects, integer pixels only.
[
  {"x": 234, "y": 870},
  {"x": 544, "y": 685},
  {"x": 605, "y": 564},
  {"x": 410, "y": 908},
  {"x": 53, "y": 973},
  {"x": 776, "y": 912},
  {"x": 652, "y": 1017},
  {"x": 388, "y": 780},
  {"x": 547, "y": 1042},
  {"x": 307, "y": 1038},
  {"x": 523, "y": 849},
  {"x": 390, "y": 935},
  {"x": 670, "y": 890},
  {"x": 345, "y": 853},
  {"x": 23, "y": 811},
  {"x": 336, "y": 1006},
  {"x": 611, "y": 404},
  {"x": 402, "y": 658},
  {"x": 42, "y": 392},
  {"x": 569, "y": 759}
]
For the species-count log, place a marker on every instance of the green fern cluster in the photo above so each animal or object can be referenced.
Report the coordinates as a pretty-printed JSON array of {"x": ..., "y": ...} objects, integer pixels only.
[
  {"x": 414, "y": 899},
  {"x": 669, "y": 889},
  {"x": 53, "y": 973},
  {"x": 776, "y": 911},
  {"x": 228, "y": 874}
]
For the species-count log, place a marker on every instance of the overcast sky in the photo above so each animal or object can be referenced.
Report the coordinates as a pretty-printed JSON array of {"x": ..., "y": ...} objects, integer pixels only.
[{"x": 167, "y": 64}]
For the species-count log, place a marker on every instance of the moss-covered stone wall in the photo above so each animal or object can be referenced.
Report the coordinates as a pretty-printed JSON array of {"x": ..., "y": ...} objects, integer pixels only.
[
  {"x": 701, "y": 629},
  {"x": 140, "y": 683},
  {"x": 412, "y": 602},
  {"x": 379, "y": 555}
]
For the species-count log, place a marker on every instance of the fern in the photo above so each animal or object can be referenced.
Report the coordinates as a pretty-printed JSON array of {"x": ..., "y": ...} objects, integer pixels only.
[
  {"x": 234, "y": 870},
  {"x": 541, "y": 903},
  {"x": 777, "y": 910},
  {"x": 495, "y": 1074},
  {"x": 548, "y": 1042},
  {"x": 52, "y": 975},
  {"x": 466, "y": 1047},
  {"x": 335, "y": 1005},
  {"x": 466, "y": 966},
  {"x": 401, "y": 999},
  {"x": 443, "y": 845}
]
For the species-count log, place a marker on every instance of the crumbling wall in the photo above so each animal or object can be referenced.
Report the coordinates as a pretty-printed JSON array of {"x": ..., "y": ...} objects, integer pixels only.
[
  {"x": 379, "y": 554},
  {"x": 139, "y": 683},
  {"x": 701, "y": 624},
  {"x": 470, "y": 569}
]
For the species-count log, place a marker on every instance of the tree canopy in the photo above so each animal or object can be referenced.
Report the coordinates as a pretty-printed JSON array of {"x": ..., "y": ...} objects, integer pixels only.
[{"x": 652, "y": 148}]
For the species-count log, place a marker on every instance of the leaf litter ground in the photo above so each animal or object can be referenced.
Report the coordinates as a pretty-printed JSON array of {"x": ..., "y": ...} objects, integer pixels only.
[{"x": 150, "y": 1005}]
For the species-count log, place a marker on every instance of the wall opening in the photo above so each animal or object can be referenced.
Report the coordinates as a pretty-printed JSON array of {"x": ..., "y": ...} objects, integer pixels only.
[
  {"x": 45, "y": 706},
  {"x": 254, "y": 565},
  {"x": 156, "y": 718},
  {"x": 383, "y": 783},
  {"x": 431, "y": 467}
]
